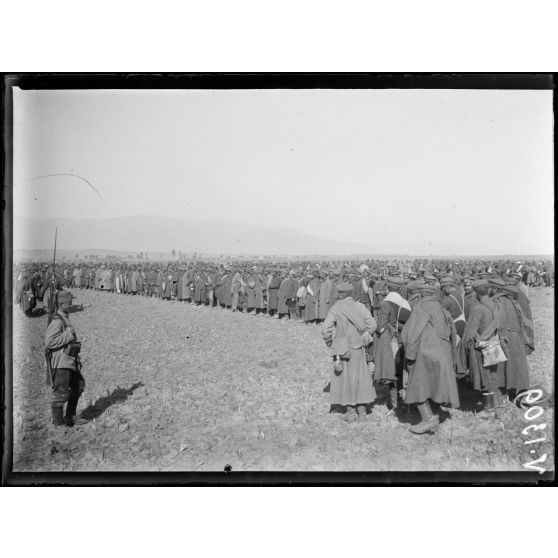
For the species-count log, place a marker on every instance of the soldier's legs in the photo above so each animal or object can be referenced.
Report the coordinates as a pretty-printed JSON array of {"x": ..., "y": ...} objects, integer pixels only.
[
  {"x": 60, "y": 394},
  {"x": 429, "y": 422},
  {"x": 76, "y": 385},
  {"x": 291, "y": 306},
  {"x": 492, "y": 399}
]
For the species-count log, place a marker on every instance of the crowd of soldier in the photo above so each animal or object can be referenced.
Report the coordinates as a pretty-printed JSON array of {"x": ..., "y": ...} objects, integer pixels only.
[
  {"x": 304, "y": 292},
  {"x": 390, "y": 311}
]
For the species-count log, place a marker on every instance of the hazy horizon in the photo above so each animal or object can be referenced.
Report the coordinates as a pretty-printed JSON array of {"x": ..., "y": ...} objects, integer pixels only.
[
  {"x": 406, "y": 168},
  {"x": 204, "y": 236}
]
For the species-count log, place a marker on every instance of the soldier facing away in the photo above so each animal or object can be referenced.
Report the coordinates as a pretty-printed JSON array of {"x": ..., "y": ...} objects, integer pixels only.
[{"x": 347, "y": 330}]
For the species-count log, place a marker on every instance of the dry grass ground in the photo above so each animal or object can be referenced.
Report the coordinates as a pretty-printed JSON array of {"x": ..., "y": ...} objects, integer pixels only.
[{"x": 171, "y": 387}]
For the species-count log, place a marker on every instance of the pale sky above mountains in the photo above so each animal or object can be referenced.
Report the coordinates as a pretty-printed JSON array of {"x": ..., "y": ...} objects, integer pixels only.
[{"x": 410, "y": 168}]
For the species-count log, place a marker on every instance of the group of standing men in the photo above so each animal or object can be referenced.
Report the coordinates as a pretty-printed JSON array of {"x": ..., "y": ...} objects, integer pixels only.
[
  {"x": 411, "y": 329},
  {"x": 426, "y": 334}
]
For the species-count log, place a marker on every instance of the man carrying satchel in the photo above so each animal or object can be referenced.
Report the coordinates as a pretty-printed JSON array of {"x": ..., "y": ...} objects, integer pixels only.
[
  {"x": 347, "y": 330},
  {"x": 63, "y": 364}
]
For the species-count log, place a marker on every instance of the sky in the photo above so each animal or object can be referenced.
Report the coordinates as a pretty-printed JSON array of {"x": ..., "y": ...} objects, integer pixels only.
[{"x": 416, "y": 169}]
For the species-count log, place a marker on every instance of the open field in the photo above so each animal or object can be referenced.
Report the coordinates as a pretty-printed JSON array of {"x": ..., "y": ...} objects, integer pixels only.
[{"x": 171, "y": 387}]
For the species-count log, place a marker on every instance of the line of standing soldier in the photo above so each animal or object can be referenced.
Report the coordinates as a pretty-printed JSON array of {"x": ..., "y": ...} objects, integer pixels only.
[{"x": 421, "y": 329}]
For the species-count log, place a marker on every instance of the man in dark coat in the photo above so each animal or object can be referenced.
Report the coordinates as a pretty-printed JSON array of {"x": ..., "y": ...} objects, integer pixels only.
[
  {"x": 429, "y": 340},
  {"x": 515, "y": 342},
  {"x": 291, "y": 289},
  {"x": 273, "y": 285},
  {"x": 380, "y": 291},
  {"x": 327, "y": 296},
  {"x": 199, "y": 287},
  {"x": 282, "y": 308},
  {"x": 260, "y": 290},
  {"x": 312, "y": 290},
  {"x": 413, "y": 293},
  {"x": 523, "y": 301},
  {"x": 482, "y": 324},
  {"x": 252, "y": 297},
  {"x": 388, "y": 350},
  {"x": 470, "y": 296}
]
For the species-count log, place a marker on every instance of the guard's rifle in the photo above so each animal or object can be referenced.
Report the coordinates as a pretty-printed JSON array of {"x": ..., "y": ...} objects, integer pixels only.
[
  {"x": 52, "y": 286},
  {"x": 51, "y": 306}
]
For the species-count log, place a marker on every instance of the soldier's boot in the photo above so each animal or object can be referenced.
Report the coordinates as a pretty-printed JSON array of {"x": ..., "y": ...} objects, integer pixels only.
[
  {"x": 57, "y": 415},
  {"x": 488, "y": 411},
  {"x": 429, "y": 422},
  {"x": 70, "y": 418},
  {"x": 361, "y": 413}
]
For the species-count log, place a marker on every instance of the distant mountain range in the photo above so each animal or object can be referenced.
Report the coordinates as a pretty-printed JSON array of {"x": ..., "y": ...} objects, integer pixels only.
[
  {"x": 158, "y": 236},
  {"x": 161, "y": 234}
]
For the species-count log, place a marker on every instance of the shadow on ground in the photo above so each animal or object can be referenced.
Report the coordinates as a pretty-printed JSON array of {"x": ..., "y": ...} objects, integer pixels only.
[
  {"x": 118, "y": 395},
  {"x": 36, "y": 313},
  {"x": 468, "y": 398}
]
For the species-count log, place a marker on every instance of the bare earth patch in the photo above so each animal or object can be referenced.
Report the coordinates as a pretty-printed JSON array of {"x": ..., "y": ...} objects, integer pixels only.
[{"x": 172, "y": 387}]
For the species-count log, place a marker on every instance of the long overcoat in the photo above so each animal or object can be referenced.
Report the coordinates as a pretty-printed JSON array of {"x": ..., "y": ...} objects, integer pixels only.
[
  {"x": 349, "y": 320},
  {"x": 282, "y": 296},
  {"x": 327, "y": 297},
  {"x": 310, "y": 310},
  {"x": 272, "y": 292},
  {"x": 515, "y": 343},
  {"x": 429, "y": 340}
]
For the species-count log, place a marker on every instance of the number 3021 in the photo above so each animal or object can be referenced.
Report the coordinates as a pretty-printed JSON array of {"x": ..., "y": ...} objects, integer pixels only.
[{"x": 533, "y": 413}]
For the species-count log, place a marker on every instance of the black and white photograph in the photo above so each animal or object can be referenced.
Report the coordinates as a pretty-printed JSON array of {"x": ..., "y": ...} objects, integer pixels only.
[{"x": 283, "y": 276}]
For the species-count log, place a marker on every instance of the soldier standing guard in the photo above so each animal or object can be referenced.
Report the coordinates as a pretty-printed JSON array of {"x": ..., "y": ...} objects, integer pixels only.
[{"x": 63, "y": 364}]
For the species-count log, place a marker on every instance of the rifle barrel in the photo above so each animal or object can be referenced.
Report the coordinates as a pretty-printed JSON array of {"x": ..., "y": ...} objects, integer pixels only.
[{"x": 52, "y": 282}]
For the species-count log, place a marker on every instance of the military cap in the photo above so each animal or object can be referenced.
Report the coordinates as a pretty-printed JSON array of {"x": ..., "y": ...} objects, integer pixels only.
[
  {"x": 344, "y": 287},
  {"x": 65, "y": 296},
  {"x": 426, "y": 287},
  {"x": 413, "y": 285},
  {"x": 446, "y": 281},
  {"x": 510, "y": 288},
  {"x": 395, "y": 281},
  {"x": 496, "y": 282},
  {"x": 479, "y": 283},
  {"x": 430, "y": 278}
]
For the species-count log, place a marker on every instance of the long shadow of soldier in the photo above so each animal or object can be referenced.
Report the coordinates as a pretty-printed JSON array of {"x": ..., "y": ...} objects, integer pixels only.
[
  {"x": 36, "y": 313},
  {"x": 119, "y": 395}
]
